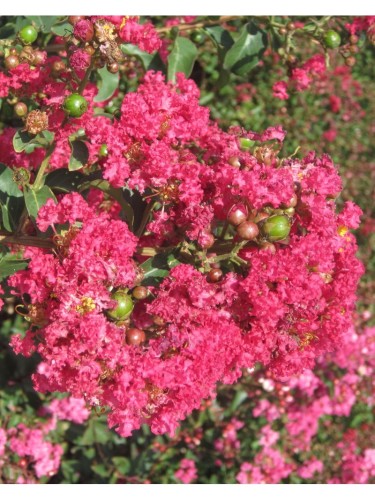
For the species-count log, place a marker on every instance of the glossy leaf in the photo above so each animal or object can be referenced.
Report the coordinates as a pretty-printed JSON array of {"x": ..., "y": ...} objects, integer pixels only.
[
  {"x": 62, "y": 28},
  {"x": 36, "y": 199},
  {"x": 247, "y": 51},
  {"x": 108, "y": 84},
  {"x": 220, "y": 36},
  {"x": 64, "y": 181},
  {"x": 9, "y": 264},
  {"x": 158, "y": 267},
  {"x": 11, "y": 199},
  {"x": 182, "y": 58},
  {"x": 79, "y": 156},
  {"x": 22, "y": 140}
]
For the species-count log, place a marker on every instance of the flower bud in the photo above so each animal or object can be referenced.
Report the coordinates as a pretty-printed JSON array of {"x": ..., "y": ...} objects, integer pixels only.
[{"x": 248, "y": 230}]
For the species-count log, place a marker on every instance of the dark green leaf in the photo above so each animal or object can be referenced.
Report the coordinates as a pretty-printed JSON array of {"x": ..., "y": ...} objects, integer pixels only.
[
  {"x": 62, "y": 28},
  {"x": 7, "y": 31},
  {"x": 182, "y": 58},
  {"x": 158, "y": 267},
  {"x": 122, "y": 464},
  {"x": 64, "y": 181},
  {"x": 107, "y": 86},
  {"x": 36, "y": 199},
  {"x": 9, "y": 264},
  {"x": 22, "y": 140},
  {"x": 79, "y": 156},
  {"x": 247, "y": 51},
  {"x": 11, "y": 199},
  {"x": 220, "y": 36},
  {"x": 96, "y": 432},
  {"x": 101, "y": 470}
]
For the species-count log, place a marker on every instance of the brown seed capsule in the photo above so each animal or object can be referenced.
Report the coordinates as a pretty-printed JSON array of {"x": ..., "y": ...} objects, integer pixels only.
[
  {"x": 58, "y": 67},
  {"x": 354, "y": 49},
  {"x": 36, "y": 121},
  {"x": 290, "y": 26},
  {"x": 261, "y": 216},
  {"x": 13, "y": 51},
  {"x": 20, "y": 109},
  {"x": 11, "y": 62},
  {"x": 140, "y": 292},
  {"x": 207, "y": 240},
  {"x": 39, "y": 57},
  {"x": 247, "y": 230},
  {"x": 90, "y": 50},
  {"x": 135, "y": 336},
  {"x": 215, "y": 275},
  {"x": 283, "y": 31},
  {"x": 237, "y": 215},
  {"x": 113, "y": 67},
  {"x": 353, "y": 39}
]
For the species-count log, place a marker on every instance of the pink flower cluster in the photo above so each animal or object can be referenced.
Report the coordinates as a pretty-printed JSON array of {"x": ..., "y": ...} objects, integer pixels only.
[
  {"x": 37, "y": 457},
  {"x": 303, "y": 403},
  {"x": 187, "y": 472},
  {"x": 301, "y": 77},
  {"x": 289, "y": 303}
]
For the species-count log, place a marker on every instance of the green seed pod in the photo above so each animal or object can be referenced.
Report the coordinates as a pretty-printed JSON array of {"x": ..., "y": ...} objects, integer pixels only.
[
  {"x": 124, "y": 306},
  {"x": 276, "y": 228}
]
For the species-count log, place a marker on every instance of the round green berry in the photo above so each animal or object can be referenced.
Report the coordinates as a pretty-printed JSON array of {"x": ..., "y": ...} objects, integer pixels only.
[
  {"x": 124, "y": 306},
  {"x": 75, "y": 105},
  {"x": 28, "y": 35},
  {"x": 332, "y": 39},
  {"x": 276, "y": 228}
]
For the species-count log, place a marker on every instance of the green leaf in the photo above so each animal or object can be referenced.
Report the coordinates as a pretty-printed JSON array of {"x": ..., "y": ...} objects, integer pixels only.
[
  {"x": 108, "y": 85},
  {"x": 36, "y": 199},
  {"x": 247, "y": 51},
  {"x": 43, "y": 23},
  {"x": 96, "y": 432},
  {"x": 22, "y": 140},
  {"x": 182, "y": 58},
  {"x": 101, "y": 470},
  {"x": 115, "y": 193},
  {"x": 149, "y": 61},
  {"x": 9, "y": 264},
  {"x": 11, "y": 199},
  {"x": 157, "y": 268},
  {"x": 220, "y": 36},
  {"x": 79, "y": 156},
  {"x": 7, "y": 31},
  {"x": 62, "y": 28},
  {"x": 122, "y": 464},
  {"x": 64, "y": 181}
]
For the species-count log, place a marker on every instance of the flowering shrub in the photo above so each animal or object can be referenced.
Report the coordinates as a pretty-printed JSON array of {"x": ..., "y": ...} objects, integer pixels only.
[{"x": 154, "y": 254}]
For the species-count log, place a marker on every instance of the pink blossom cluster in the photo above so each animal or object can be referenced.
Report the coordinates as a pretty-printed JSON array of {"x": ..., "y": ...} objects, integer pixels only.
[
  {"x": 37, "y": 456},
  {"x": 306, "y": 404},
  {"x": 187, "y": 472},
  {"x": 282, "y": 304},
  {"x": 301, "y": 77}
]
